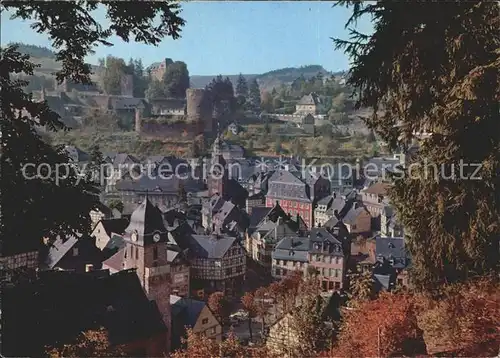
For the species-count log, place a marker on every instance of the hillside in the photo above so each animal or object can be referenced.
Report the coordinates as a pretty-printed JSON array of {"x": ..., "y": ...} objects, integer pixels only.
[{"x": 267, "y": 81}]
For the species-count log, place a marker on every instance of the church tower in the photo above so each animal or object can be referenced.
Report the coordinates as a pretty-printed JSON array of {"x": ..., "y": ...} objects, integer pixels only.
[
  {"x": 218, "y": 173},
  {"x": 146, "y": 241}
]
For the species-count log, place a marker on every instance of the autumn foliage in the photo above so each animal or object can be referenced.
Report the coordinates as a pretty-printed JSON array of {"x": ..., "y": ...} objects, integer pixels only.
[
  {"x": 199, "y": 346},
  {"x": 92, "y": 343},
  {"x": 220, "y": 306},
  {"x": 389, "y": 320},
  {"x": 461, "y": 321}
]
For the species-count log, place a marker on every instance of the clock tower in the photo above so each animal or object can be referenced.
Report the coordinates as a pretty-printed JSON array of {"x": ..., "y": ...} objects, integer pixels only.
[
  {"x": 218, "y": 173},
  {"x": 146, "y": 241}
]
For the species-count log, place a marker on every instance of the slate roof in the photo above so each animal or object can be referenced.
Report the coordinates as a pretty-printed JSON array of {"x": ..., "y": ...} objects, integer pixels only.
[
  {"x": 59, "y": 305},
  {"x": 378, "y": 165},
  {"x": 209, "y": 246},
  {"x": 116, "y": 226},
  {"x": 191, "y": 307},
  {"x": 321, "y": 236},
  {"x": 377, "y": 189},
  {"x": 382, "y": 282},
  {"x": 115, "y": 262},
  {"x": 292, "y": 248},
  {"x": 309, "y": 99},
  {"x": 351, "y": 216},
  {"x": 57, "y": 250},
  {"x": 124, "y": 158},
  {"x": 286, "y": 185},
  {"x": 146, "y": 220},
  {"x": 274, "y": 231},
  {"x": 392, "y": 248}
]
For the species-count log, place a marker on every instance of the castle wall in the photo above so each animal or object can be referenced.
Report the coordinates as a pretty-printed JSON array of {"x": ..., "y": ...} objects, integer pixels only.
[
  {"x": 199, "y": 107},
  {"x": 182, "y": 130}
]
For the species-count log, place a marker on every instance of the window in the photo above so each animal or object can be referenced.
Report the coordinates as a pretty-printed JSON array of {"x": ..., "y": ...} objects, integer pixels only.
[
  {"x": 204, "y": 321},
  {"x": 155, "y": 253},
  {"x": 75, "y": 251},
  {"x": 137, "y": 253},
  {"x": 228, "y": 271},
  {"x": 278, "y": 272},
  {"x": 337, "y": 260},
  {"x": 213, "y": 330},
  {"x": 337, "y": 273},
  {"x": 318, "y": 258},
  {"x": 131, "y": 252}
]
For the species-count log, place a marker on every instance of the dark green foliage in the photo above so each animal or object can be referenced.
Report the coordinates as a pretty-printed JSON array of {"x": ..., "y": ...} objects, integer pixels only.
[
  {"x": 48, "y": 207},
  {"x": 116, "y": 204},
  {"x": 74, "y": 32},
  {"x": 176, "y": 80},
  {"x": 447, "y": 61},
  {"x": 155, "y": 90},
  {"x": 242, "y": 86},
  {"x": 60, "y": 203},
  {"x": 222, "y": 94},
  {"x": 33, "y": 50},
  {"x": 115, "y": 68},
  {"x": 254, "y": 98}
]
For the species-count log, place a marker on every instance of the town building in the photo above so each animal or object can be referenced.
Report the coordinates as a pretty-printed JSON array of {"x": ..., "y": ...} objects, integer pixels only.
[
  {"x": 309, "y": 104},
  {"x": 218, "y": 263},
  {"x": 158, "y": 70},
  {"x": 297, "y": 194},
  {"x": 334, "y": 205},
  {"x": 389, "y": 223},
  {"x": 146, "y": 251},
  {"x": 358, "y": 221},
  {"x": 193, "y": 314},
  {"x": 374, "y": 198},
  {"x": 70, "y": 252}
]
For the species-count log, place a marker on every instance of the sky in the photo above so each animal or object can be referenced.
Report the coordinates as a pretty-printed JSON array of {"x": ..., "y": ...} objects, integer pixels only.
[{"x": 231, "y": 37}]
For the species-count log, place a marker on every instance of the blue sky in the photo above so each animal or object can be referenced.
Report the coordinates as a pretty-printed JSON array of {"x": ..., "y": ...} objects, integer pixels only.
[{"x": 232, "y": 37}]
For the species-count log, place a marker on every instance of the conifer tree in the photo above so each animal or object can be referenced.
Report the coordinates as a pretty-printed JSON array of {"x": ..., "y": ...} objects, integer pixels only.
[{"x": 441, "y": 74}]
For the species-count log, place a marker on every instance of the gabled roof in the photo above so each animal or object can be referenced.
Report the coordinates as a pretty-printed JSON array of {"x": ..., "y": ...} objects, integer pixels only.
[
  {"x": 292, "y": 248},
  {"x": 193, "y": 308},
  {"x": 210, "y": 246},
  {"x": 57, "y": 250},
  {"x": 124, "y": 158},
  {"x": 116, "y": 226},
  {"x": 284, "y": 184},
  {"x": 309, "y": 99},
  {"x": 351, "y": 216},
  {"x": 391, "y": 248},
  {"x": 378, "y": 188}
]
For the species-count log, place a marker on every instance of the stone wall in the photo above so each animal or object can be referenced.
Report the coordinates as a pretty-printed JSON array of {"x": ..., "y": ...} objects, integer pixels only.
[{"x": 180, "y": 130}]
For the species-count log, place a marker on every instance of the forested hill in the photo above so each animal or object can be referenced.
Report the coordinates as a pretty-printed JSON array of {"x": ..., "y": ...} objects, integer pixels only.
[
  {"x": 267, "y": 81},
  {"x": 35, "y": 51}
]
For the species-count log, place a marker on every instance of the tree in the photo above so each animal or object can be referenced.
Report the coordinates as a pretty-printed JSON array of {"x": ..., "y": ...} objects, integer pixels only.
[
  {"x": 112, "y": 75},
  {"x": 326, "y": 131},
  {"x": 220, "y": 306},
  {"x": 360, "y": 287},
  {"x": 385, "y": 327},
  {"x": 250, "y": 146},
  {"x": 309, "y": 323},
  {"x": 195, "y": 149},
  {"x": 297, "y": 148},
  {"x": 461, "y": 67},
  {"x": 155, "y": 90},
  {"x": 371, "y": 137},
  {"x": 463, "y": 319},
  {"x": 249, "y": 306},
  {"x": 267, "y": 102},
  {"x": 202, "y": 346},
  {"x": 277, "y": 103},
  {"x": 222, "y": 94},
  {"x": 116, "y": 204},
  {"x": 176, "y": 80},
  {"x": 92, "y": 343},
  {"x": 254, "y": 99},
  {"x": 261, "y": 308},
  {"x": 278, "y": 146},
  {"x": 71, "y": 200},
  {"x": 94, "y": 168},
  {"x": 242, "y": 87}
]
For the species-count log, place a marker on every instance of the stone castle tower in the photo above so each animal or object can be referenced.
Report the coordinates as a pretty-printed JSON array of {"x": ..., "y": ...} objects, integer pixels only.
[
  {"x": 199, "y": 108},
  {"x": 127, "y": 85},
  {"x": 146, "y": 251}
]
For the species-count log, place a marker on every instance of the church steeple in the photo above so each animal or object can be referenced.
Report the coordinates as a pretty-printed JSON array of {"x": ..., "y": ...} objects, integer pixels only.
[{"x": 146, "y": 224}]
